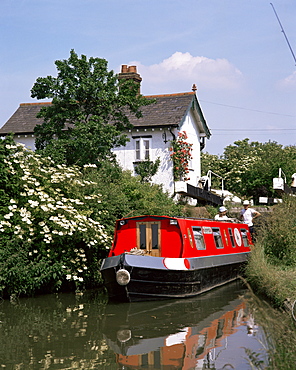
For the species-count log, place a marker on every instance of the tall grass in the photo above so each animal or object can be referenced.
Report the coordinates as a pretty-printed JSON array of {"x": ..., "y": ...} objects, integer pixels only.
[
  {"x": 272, "y": 266},
  {"x": 271, "y": 272}
]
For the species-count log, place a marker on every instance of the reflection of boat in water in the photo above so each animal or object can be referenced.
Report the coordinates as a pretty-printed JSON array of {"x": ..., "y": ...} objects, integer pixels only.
[
  {"x": 158, "y": 257},
  {"x": 177, "y": 333}
]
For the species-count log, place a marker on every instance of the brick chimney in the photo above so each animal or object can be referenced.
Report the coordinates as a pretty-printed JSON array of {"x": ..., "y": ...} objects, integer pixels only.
[{"x": 130, "y": 73}]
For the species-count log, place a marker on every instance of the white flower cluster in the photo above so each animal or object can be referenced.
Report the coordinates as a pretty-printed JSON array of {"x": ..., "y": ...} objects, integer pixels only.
[
  {"x": 45, "y": 213},
  {"x": 90, "y": 165}
]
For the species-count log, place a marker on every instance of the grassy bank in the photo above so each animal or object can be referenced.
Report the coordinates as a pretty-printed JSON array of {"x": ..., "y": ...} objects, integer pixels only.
[
  {"x": 271, "y": 273},
  {"x": 276, "y": 282},
  {"x": 272, "y": 267}
]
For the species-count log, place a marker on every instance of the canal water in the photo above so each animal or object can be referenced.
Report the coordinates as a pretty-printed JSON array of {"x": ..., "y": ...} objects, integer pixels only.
[{"x": 216, "y": 330}]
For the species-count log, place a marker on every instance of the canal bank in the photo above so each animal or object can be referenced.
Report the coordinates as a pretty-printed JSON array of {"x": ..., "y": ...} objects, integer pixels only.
[
  {"x": 271, "y": 273},
  {"x": 271, "y": 269}
]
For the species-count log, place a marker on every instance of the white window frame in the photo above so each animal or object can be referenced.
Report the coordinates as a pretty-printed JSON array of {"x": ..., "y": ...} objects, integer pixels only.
[{"x": 141, "y": 153}]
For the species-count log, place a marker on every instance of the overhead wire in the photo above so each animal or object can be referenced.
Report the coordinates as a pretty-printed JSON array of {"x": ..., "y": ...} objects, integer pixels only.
[
  {"x": 248, "y": 109},
  {"x": 284, "y": 33},
  {"x": 259, "y": 129}
]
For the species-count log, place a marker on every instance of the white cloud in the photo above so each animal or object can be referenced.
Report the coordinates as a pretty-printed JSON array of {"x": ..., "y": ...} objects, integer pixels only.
[
  {"x": 289, "y": 81},
  {"x": 181, "y": 70}
]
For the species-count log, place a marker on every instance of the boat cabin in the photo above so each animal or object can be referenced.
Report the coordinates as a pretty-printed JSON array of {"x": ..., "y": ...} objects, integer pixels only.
[{"x": 174, "y": 237}]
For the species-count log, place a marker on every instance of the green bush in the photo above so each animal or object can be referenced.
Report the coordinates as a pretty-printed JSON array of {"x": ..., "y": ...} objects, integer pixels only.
[
  {"x": 125, "y": 195},
  {"x": 48, "y": 234}
]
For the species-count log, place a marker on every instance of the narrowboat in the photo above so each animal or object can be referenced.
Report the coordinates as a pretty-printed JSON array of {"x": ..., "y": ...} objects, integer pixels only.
[{"x": 162, "y": 257}]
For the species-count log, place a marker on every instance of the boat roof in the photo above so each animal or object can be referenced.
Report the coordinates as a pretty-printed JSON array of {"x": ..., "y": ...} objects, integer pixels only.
[{"x": 184, "y": 218}]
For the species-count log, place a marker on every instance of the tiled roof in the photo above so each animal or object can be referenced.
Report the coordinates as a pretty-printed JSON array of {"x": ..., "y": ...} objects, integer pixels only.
[
  {"x": 169, "y": 110},
  {"x": 24, "y": 119}
]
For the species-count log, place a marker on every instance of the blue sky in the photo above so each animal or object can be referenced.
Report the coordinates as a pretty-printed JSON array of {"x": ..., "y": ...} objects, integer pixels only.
[{"x": 233, "y": 50}]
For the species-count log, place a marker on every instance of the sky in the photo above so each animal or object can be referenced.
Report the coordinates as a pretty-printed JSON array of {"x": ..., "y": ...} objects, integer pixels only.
[{"x": 237, "y": 52}]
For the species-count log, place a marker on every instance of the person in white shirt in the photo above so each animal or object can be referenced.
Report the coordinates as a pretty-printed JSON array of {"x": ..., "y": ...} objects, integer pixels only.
[
  {"x": 247, "y": 215},
  {"x": 222, "y": 214}
]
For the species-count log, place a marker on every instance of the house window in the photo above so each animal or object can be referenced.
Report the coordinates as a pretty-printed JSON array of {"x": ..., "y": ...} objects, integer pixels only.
[
  {"x": 198, "y": 237},
  {"x": 142, "y": 149},
  {"x": 138, "y": 152},
  {"x": 146, "y": 144}
]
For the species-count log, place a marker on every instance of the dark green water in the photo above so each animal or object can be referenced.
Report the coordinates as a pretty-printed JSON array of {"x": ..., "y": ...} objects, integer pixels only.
[{"x": 68, "y": 331}]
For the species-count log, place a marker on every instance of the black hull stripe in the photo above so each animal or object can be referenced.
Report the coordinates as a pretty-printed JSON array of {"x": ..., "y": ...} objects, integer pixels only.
[
  {"x": 164, "y": 282},
  {"x": 140, "y": 295}
]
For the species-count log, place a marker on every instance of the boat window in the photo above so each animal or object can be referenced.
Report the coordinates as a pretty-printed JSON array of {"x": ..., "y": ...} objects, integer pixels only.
[
  {"x": 142, "y": 236},
  {"x": 245, "y": 237},
  {"x": 220, "y": 328},
  {"x": 217, "y": 237},
  {"x": 200, "y": 345},
  {"x": 199, "y": 238},
  {"x": 231, "y": 237},
  {"x": 154, "y": 228},
  {"x": 149, "y": 237}
]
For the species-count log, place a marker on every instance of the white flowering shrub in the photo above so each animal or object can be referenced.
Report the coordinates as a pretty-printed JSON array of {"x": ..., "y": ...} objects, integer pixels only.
[{"x": 48, "y": 238}]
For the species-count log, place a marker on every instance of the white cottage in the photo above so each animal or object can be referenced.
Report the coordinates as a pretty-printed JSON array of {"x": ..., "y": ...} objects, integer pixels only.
[{"x": 150, "y": 137}]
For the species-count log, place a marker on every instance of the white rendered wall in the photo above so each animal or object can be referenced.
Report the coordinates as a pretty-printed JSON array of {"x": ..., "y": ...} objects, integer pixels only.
[
  {"x": 193, "y": 137},
  {"x": 27, "y": 140},
  {"x": 126, "y": 156},
  {"x": 164, "y": 176}
]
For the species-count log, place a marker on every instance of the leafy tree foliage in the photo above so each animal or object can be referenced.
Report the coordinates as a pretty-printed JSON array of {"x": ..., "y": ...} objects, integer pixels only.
[
  {"x": 147, "y": 169},
  {"x": 125, "y": 195},
  {"x": 249, "y": 167},
  {"x": 89, "y": 111}
]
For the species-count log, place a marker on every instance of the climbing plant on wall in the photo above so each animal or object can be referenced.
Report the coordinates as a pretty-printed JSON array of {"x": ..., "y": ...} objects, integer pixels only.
[{"x": 181, "y": 155}]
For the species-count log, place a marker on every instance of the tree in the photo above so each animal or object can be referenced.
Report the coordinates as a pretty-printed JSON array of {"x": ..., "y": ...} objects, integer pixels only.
[
  {"x": 124, "y": 195},
  {"x": 214, "y": 163},
  {"x": 249, "y": 167},
  {"x": 147, "y": 169},
  {"x": 238, "y": 162},
  {"x": 89, "y": 111}
]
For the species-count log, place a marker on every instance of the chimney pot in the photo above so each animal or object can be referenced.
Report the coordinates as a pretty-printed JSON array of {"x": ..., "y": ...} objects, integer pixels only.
[
  {"x": 130, "y": 73},
  {"x": 132, "y": 69},
  {"x": 124, "y": 68}
]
